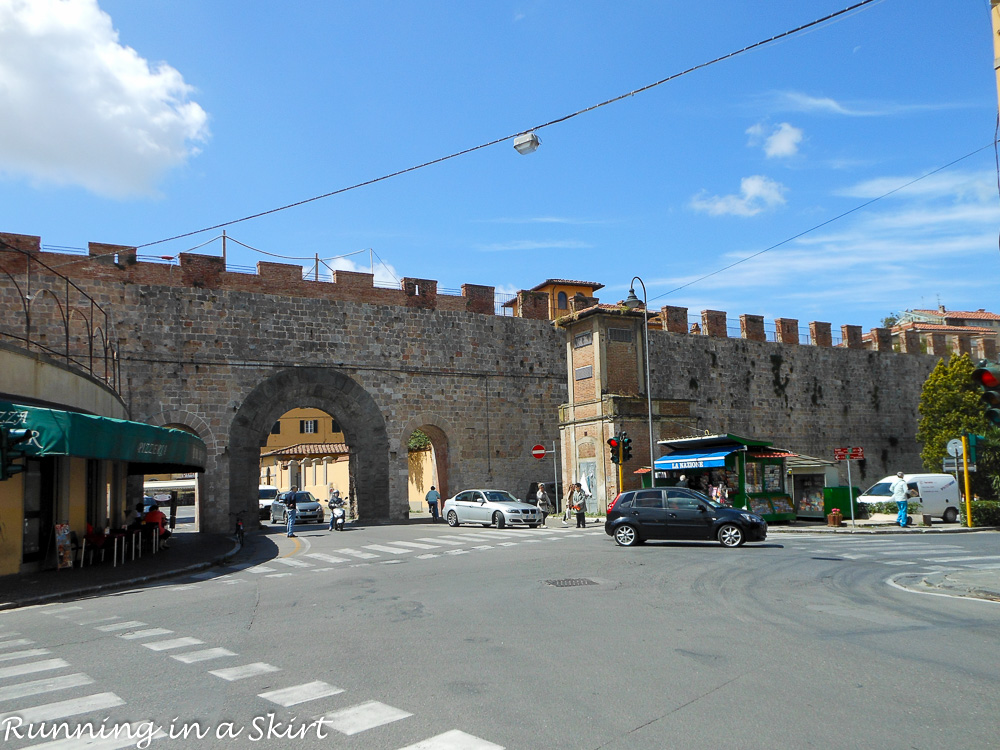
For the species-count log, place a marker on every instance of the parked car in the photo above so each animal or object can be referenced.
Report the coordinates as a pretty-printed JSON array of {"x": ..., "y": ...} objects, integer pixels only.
[
  {"x": 679, "y": 513},
  {"x": 937, "y": 494},
  {"x": 266, "y": 495},
  {"x": 308, "y": 509},
  {"x": 490, "y": 508}
]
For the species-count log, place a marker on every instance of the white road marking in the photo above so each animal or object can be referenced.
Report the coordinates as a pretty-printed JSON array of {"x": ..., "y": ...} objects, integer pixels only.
[
  {"x": 16, "y": 642},
  {"x": 48, "y": 685},
  {"x": 506, "y": 544},
  {"x": 428, "y": 556},
  {"x": 896, "y": 550},
  {"x": 387, "y": 549},
  {"x": 985, "y": 566},
  {"x": 62, "y": 709},
  {"x": 32, "y": 667},
  {"x": 417, "y": 545},
  {"x": 484, "y": 546},
  {"x": 204, "y": 655},
  {"x": 247, "y": 670},
  {"x": 148, "y": 633},
  {"x": 173, "y": 643},
  {"x": 364, "y": 716},
  {"x": 944, "y": 560},
  {"x": 467, "y": 537},
  {"x": 439, "y": 541},
  {"x": 62, "y": 610},
  {"x": 454, "y": 740},
  {"x": 327, "y": 558},
  {"x": 293, "y": 696},
  {"x": 898, "y": 562},
  {"x": 278, "y": 575},
  {"x": 126, "y": 737},
  {"x": 292, "y": 562},
  {"x": 356, "y": 553},
  {"x": 120, "y": 626},
  {"x": 99, "y": 619},
  {"x": 260, "y": 569},
  {"x": 24, "y": 654},
  {"x": 457, "y": 552}
]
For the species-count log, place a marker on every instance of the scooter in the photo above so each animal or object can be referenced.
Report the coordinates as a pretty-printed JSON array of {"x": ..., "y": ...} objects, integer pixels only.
[{"x": 339, "y": 515}]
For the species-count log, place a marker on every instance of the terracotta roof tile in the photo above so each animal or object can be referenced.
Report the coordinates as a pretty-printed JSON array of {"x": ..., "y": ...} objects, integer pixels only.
[{"x": 311, "y": 449}]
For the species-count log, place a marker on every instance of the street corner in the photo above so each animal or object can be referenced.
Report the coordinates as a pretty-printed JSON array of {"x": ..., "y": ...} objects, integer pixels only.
[{"x": 970, "y": 584}]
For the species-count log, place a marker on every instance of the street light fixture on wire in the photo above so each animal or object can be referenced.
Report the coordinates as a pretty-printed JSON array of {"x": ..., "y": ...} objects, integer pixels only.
[{"x": 632, "y": 302}]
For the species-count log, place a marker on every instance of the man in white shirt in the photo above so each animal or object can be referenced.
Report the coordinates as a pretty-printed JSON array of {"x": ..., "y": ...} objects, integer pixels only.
[{"x": 898, "y": 490}]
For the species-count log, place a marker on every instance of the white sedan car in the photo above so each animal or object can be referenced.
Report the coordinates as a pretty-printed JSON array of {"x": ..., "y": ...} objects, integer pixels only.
[{"x": 490, "y": 508}]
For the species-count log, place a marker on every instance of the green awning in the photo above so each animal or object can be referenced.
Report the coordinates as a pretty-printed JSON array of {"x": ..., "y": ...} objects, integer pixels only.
[{"x": 147, "y": 449}]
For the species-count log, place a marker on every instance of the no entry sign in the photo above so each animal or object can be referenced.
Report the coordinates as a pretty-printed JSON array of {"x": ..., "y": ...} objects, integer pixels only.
[{"x": 538, "y": 451}]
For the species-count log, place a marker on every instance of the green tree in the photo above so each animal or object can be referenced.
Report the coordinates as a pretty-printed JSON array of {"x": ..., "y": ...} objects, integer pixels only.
[
  {"x": 890, "y": 320},
  {"x": 418, "y": 441},
  {"x": 949, "y": 406}
]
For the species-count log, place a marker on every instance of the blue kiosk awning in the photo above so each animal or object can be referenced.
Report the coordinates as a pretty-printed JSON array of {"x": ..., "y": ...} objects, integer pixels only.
[{"x": 695, "y": 459}]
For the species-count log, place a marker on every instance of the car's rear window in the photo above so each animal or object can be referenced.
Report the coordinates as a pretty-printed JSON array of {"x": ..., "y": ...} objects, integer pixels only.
[{"x": 268, "y": 494}]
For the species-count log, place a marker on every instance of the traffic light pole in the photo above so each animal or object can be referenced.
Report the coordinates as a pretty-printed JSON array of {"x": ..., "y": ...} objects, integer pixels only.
[{"x": 968, "y": 495}]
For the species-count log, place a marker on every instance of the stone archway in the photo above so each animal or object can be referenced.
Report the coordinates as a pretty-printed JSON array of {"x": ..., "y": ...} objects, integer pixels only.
[
  {"x": 338, "y": 395},
  {"x": 437, "y": 430}
]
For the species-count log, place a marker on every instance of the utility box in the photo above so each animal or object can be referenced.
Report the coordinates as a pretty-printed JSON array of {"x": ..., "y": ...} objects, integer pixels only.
[{"x": 838, "y": 497}]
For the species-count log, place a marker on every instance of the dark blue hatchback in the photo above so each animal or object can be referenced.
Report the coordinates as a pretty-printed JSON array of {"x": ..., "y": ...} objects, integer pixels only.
[{"x": 679, "y": 513}]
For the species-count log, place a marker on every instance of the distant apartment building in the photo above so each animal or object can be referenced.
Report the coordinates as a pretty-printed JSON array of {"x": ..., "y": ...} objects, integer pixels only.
[{"x": 972, "y": 332}]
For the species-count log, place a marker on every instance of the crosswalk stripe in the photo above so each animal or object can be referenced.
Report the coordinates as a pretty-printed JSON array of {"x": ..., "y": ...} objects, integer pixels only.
[
  {"x": 985, "y": 566},
  {"x": 483, "y": 546},
  {"x": 16, "y": 642},
  {"x": 439, "y": 541},
  {"x": 292, "y": 562},
  {"x": 24, "y": 654},
  {"x": 120, "y": 626},
  {"x": 97, "y": 620},
  {"x": 148, "y": 633},
  {"x": 468, "y": 537},
  {"x": 356, "y": 553},
  {"x": 507, "y": 544},
  {"x": 386, "y": 548},
  {"x": 417, "y": 545},
  {"x": 954, "y": 559},
  {"x": 32, "y": 667},
  {"x": 62, "y": 610},
  {"x": 454, "y": 740},
  {"x": 260, "y": 569},
  {"x": 327, "y": 558},
  {"x": 364, "y": 716},
  {"x": 278, "y": 575},
  {"x": 204, "y": 655},
  {"x": 48, "y": 685},
  {"x": 242, "y": 672},
  {"x": 62, "y": 709},
  {"x": 898, "y": 562},
  {"x": 172, "y": 643},
  {"x": 293, "y": 696},
  {"x": 428, "y": 555},
  {"x": 127, "y": 736}
]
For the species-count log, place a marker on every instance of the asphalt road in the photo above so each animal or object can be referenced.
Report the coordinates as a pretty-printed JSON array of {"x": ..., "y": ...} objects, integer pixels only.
[{"x": 429, "y": 637}]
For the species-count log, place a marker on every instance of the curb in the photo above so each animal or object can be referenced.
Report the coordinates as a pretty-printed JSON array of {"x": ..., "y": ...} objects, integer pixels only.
[
  {"x": 46, "y": 598},
  {"x": 879, "y": 530}
]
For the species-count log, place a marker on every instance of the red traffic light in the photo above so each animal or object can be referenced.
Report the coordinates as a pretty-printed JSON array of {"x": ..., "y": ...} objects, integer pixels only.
[{"x": 613, "y": 442}]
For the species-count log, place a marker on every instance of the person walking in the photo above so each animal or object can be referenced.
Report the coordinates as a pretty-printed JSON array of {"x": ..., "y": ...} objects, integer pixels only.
[
  {"x": 581, "y": 507},
  {"x": 899, "y": 495},
  {"x": 432, "y": 498},
  {"x": 544, "y": 503},
  {"x": 683, "y": 481},
  {"x": 291, "y": 508},
  {"x": 568, "y": 504}
]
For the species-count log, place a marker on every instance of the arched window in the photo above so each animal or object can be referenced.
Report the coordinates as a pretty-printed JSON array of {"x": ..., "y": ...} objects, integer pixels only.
[{"x": 561, "y": 300}]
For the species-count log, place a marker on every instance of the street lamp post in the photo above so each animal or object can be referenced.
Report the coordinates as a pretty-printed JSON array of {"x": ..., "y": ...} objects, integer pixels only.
[{"x": 632, "y": 302}]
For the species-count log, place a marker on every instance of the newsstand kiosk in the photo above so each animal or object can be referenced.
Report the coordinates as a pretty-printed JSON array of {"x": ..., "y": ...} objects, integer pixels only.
[{"x": 732, "y": 470}]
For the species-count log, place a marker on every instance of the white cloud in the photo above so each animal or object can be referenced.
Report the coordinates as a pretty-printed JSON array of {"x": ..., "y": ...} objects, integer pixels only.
[
  {"x": 757, "y": 193},
  {"x": 781, "y": 141},
  {"x": 385, "y": 273},
  {"x": 80, "y": 108},
  {"x": 796, "y": 101}
]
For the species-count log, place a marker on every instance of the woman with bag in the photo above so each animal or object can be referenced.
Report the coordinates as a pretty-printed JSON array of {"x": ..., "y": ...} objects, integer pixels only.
[
  {"x": 569, "y": 504},
  {"x": 544, "y": 504}
]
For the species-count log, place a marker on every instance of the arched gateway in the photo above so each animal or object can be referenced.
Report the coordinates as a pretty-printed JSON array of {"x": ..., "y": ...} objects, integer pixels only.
[{"x": 338, "y": 395}]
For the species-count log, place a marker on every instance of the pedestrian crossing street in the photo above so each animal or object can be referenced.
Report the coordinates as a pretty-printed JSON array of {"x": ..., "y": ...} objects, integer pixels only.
[
  {"x": 929, "y": 555},
  {"x": 40, "y": 691},
  {"x": 384, "y": 553}
]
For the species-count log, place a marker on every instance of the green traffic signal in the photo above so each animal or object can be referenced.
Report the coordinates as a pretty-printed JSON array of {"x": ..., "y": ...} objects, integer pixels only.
[{"x": 9, "y": 439}]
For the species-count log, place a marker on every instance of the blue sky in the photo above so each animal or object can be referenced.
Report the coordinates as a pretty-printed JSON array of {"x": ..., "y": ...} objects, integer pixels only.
[{"x": 129, "y": 122}]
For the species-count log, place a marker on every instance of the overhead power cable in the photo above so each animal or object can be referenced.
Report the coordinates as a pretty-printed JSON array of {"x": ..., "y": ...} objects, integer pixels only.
[
  {"x": 838, "y": 217},
  {"x": 463, "y": 152}
]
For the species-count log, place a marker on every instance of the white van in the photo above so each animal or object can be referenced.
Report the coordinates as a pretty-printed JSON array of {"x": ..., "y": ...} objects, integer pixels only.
[
  {"x": 937, "y": 494},
  {"x": 266, "y": 494}
]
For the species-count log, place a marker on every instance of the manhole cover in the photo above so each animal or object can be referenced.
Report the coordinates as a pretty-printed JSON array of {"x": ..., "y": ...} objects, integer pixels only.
[{"x": 564, "y": 582}]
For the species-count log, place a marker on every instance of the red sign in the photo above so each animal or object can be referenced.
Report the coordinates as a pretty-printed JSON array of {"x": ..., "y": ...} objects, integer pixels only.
[
  {"x": 854, "y": 454},
  {"x": 538, "y": 451}
]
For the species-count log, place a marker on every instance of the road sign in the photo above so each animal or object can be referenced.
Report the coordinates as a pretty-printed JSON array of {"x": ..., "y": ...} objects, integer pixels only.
[
  {"x": 857, "y": 454},
  {"x": 955, "y": 447},
  {"x": 854, "y": 454},
  {"x": 538, "y": 451},
  {"x": 840, "y": 454},
  {"x": 949, "y": 465}
]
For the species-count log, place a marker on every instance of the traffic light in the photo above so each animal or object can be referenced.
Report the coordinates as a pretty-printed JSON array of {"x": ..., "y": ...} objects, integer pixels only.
[
  {"x": 987, "y": 377},
  {"x": 9, "y": 439},
  {"x": 615, "y": 447},
  {"x": 626, "y": 447}
]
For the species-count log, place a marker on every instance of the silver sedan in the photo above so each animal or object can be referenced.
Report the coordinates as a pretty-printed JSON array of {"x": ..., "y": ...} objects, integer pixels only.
[{"x": 490, "y": 508}]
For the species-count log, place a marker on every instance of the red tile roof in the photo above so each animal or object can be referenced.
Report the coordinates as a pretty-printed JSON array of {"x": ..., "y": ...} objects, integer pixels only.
[
  {"x": 967, "y": 314},
  {"x": 311, "y": 449}
]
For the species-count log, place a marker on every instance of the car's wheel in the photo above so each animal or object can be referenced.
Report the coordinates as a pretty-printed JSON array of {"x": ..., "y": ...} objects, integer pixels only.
[
  {"x": 731, "y": 535},
  {"x": 452, "y": 518},
  {"x": 626, "y": 536},
  {"x": 951, "y": 515},
  {"x": 498, "y": 520}
]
